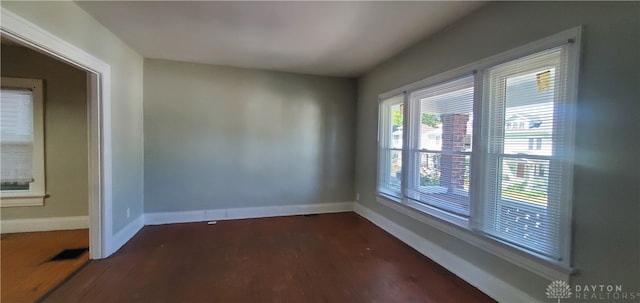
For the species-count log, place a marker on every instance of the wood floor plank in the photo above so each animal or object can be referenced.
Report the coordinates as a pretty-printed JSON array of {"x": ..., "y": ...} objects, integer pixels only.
[
  {"x": 324, "y": 258},
  {"x": 25, "y": 273}
]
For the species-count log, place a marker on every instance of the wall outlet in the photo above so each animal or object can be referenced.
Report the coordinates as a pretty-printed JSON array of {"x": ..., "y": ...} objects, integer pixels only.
[
  {"x": 357, "y": 196},
  {"x": 128, "y": 213}
]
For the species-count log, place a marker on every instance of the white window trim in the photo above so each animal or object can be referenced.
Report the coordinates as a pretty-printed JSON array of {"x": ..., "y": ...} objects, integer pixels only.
[
  {"x": 555, "y": 163},
  {"x": 460, "y": 228},
  {"x": 383, "y": 138},
  {"x": 36, "y": 194},
  {"x": 415, "y": 198}
]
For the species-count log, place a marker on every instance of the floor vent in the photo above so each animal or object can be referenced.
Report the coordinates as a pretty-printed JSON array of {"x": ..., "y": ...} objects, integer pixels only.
[{"x": 69, "y": 254}]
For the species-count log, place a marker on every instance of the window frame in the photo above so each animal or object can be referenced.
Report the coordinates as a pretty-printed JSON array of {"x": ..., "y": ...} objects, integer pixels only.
[
  {"x": 413, "y": 121},
  {"x": 554, "y": 159},
  {"x": 467, "y": 229},
  {"x": 36, "y": 193},
  {"x": 384, "y": 139}
]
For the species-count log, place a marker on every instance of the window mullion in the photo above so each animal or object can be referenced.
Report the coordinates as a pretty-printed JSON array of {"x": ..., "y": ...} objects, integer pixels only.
[
  {"x": 406, "y": 168},
  {"x": 477, "y": 188}
]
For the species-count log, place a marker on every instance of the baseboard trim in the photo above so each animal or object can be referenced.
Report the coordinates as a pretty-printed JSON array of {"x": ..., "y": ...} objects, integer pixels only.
[
  {"x": 125, "y": 234},
  {"x": 43, "y": 224},
  {"x": 174, "y": 217},
  {"x": 494, "y": 287},
  {"x": 245, "y": 213}
]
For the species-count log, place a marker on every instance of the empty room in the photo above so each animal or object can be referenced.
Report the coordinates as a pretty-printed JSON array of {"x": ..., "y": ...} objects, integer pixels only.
[{"x": 320, "y": 151}]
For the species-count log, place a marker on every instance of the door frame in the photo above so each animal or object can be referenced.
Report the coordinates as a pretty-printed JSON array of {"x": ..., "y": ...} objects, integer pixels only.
[{"x": 101, "y": 238}]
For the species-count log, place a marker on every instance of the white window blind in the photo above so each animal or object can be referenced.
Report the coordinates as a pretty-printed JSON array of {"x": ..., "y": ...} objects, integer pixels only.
[
  {"x": 16, "y": 135},
  {"x": 390, "y": 136},
  {"x": 440, "y": 137},
  {"x": 526, "y": 174}
]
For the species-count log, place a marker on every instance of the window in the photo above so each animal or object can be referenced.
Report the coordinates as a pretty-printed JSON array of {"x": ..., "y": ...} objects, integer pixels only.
[
  {"x": 21, "y": 143},
  {"x": 390, "y": 142},
  {"x": 535, "y": 143},
  {"x": 521, "y": 206},
  {"x": 490, "y": 149},
  {"x": 439, "y": 169},
  {"x": 539, "y": 170}
]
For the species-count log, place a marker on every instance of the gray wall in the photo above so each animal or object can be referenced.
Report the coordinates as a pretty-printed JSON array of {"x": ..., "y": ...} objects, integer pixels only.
[
  {"x": 222, "y": 137},
  {"x": 66, "y": 20},
  {"x": 606, "y": 213},
  {"x": 65, "y": 126}
]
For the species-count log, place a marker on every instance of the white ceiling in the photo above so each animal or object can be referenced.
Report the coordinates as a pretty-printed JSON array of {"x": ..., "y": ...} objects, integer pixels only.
[{"x": 322, "y": 38}]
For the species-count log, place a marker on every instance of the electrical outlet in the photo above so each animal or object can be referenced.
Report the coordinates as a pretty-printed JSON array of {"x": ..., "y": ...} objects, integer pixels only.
[
  {"x": 357, "y": 196},
  {"x": 128, "y": 213}
]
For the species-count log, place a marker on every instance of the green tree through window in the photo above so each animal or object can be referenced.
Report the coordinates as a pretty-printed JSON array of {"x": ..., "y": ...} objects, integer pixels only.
[{"x": 432, "y": 120}]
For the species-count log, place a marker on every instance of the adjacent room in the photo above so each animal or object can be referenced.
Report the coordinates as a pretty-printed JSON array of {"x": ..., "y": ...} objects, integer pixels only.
[
  {"x": 178, "y": 151},
  {"x": 40, "y": 227}
]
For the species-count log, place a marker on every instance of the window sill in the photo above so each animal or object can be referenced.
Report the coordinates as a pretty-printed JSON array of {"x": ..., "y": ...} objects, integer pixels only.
[
  {"x": 21, "y": 199},
  {"x": 459, "y": 228}
]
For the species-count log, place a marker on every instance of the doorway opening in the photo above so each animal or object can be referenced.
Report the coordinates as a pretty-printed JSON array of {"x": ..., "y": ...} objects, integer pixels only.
[
  {"x": 48, "y": 183},
  {"x": 103, "y": 242}
]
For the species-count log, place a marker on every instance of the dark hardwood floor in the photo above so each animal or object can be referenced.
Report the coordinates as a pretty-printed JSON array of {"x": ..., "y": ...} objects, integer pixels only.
[{"x": 320, "y": 258}]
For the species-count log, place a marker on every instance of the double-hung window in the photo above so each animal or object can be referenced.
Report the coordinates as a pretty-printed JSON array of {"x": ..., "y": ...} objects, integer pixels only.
[
  {"x": 489, "y": 147},
  {"x": 520, "y": 205},
  {"x": 438, "y": 170},
  {"x": 390, "y": 146},
  {"x": 22, "y": 180}
]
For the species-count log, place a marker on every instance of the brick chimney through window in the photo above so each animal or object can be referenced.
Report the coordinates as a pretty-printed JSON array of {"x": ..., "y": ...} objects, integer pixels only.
[{"x": 454, "y": 130}]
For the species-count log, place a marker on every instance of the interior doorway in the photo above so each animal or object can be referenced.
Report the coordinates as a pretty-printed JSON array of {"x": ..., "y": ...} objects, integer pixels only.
[
  {"x": 102, "y": 240},
  {"x": 44, "y": 194}
]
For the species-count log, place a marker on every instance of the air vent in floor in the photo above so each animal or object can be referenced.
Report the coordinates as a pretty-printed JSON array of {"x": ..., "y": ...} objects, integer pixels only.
[{"x": 69, "y": 254}]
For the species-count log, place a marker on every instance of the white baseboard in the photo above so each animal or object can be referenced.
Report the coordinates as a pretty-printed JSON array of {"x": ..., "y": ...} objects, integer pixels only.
[
  {"x": 494, "y": 287},
  {"x": 174, "y": 217},
  {"x": 245, "y": 213},
  {"x": 125, "y": 234},
  {"x": 43, "y": 224}
]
